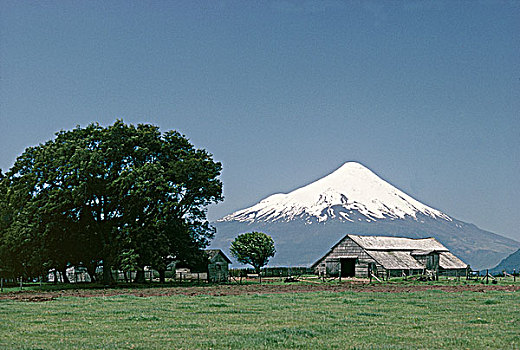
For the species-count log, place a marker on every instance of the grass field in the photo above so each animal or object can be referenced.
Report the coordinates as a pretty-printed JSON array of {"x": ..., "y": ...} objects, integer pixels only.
[{"x": 363, "y": 320}]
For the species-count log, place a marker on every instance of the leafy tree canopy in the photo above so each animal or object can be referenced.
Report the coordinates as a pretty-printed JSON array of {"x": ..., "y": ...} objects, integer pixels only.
[
  {"x": 93, "y": 193},
  {"x": 253, "y": 248}
]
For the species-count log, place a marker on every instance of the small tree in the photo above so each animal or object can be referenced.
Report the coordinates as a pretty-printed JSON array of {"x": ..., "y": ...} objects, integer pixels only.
[
  {"x": 253, "y": 248},
  {"x": 129, "y": 262}
]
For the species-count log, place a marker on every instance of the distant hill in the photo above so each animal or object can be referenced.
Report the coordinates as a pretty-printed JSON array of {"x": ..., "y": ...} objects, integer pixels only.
[
  {"x": 508, "y": 264},
  {"x": 308, "y": 221}
]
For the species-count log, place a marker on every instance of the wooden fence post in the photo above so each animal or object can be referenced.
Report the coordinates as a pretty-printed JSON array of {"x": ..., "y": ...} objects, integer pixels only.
[{"x": 487, "y": 276}]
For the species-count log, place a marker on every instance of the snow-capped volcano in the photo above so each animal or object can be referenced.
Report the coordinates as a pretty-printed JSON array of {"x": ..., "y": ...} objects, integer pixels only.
[
  {"x": 306, "y": 222},
  {"x": 344, "y": 194}
]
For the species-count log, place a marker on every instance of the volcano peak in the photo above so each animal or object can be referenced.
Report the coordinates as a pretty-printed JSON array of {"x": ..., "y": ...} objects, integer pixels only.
[{"x": 350, "y": 191}]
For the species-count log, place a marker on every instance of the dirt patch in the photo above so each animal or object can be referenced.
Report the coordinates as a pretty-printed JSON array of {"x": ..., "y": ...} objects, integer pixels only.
[
  {"x": 237, "y": 289},
  {"x": 34, "y": 298}
]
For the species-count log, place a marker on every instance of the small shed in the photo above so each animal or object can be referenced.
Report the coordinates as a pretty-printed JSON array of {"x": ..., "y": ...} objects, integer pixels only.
[
  {"x": 361, "y": 256},
  {"x": 218, "y": 265}
]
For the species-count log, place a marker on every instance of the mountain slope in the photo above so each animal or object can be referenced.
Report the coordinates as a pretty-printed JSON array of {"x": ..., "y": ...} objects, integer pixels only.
[
  {"x": 512, "y": 262},
  {"x": 306, "y": 222}
]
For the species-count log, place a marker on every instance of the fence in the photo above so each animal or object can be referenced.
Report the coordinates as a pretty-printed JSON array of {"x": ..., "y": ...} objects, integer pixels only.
[{"x": 273, "y": 272}]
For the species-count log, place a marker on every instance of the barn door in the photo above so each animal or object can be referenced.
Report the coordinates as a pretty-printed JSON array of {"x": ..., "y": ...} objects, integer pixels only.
[
  {"x": 348, "y": 267},
  {"x": 333, "y": 267}
]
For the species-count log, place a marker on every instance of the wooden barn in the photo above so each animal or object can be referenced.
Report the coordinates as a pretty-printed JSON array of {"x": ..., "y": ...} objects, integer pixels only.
[
  {"x": 218, "y": 265},
  {"x": 381, "y": 256}
]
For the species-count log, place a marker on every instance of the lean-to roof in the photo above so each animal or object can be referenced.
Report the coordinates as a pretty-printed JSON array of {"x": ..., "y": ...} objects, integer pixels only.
[
  {"x": 449, "y": 261},
  {"x": 395, "y": 260}
]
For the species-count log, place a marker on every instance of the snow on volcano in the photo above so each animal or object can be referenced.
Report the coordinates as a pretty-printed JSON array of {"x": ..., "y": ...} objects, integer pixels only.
[{"x": 349, "y": 191}]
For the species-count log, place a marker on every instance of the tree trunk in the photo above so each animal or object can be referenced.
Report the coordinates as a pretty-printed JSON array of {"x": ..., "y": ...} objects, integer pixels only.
[
  {"x": 107, "y": 273},
  {"x": 258, "y": 272},
  {"x": 91, "y": 269},
  {"x": 139, "y": 275},
  {"x": 63, "y": 271},
  {"x": 162, "y": 276}
]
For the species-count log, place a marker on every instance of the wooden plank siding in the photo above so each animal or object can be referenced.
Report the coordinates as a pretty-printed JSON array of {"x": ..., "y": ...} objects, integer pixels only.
[
  {"x": 218, "y": 269},
  {"x": 347, "y": 248}
]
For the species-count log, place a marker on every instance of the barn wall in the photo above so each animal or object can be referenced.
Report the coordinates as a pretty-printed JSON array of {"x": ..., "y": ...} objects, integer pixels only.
[
  {"x": 430, "y": 261},
  {"x": 422, "y": 259},
  {"x": 453, "y": 272},
  {"x": 347, "y": 248},
  {"x": 218, "y": 269}
]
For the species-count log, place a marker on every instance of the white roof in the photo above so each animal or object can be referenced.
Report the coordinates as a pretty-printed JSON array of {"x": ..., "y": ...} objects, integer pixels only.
[
  {"x": 449, "y": 261},
  {"x": 398, "y": 243},
  {"x": 396, "y": 260}
]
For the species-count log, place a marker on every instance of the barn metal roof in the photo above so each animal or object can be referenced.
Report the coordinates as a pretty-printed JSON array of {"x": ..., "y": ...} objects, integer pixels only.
[
  {"x": 396, "y": 260},
  {"x": 422, "y": 252},
  {"x": 398, "y": 243},
  {"x": 449, "y": 261}
]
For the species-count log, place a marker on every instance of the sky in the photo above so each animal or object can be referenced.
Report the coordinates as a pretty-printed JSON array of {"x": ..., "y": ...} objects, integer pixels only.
[{"x": 424, "y": 93}]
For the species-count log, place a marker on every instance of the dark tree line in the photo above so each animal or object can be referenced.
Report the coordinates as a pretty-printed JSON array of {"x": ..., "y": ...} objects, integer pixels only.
[{"x": 121, "y": 196}]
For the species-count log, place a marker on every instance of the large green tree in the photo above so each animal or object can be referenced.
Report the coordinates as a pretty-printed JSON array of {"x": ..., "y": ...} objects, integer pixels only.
[
  {"x": 253, "y": 248},
  {"x": 5, "y": 220},
  {"x": 93, "y": 193}
]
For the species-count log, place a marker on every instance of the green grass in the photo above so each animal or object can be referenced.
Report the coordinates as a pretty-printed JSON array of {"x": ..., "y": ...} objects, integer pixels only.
[{"x": 420, "y": 320}]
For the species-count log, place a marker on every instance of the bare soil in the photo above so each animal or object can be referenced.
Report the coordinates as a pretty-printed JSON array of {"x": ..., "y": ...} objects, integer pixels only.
[{"x": 240, "y": 289}]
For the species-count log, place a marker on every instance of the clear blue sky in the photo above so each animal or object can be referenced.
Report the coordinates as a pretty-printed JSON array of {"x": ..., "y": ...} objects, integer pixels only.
[{"x": 425, "y": 93}]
